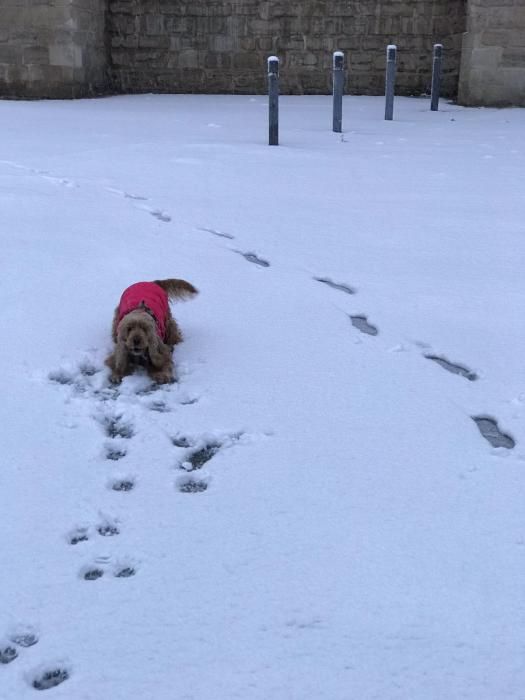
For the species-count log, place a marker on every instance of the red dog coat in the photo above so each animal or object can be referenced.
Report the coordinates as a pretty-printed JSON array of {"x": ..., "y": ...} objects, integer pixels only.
[{"x": 152, "y": 296}]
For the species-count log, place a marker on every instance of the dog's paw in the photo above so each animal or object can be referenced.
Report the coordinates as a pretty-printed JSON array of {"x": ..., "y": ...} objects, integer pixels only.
[
  {"x": 115, "y": 378},
  {"x": 162, "y": 377}
]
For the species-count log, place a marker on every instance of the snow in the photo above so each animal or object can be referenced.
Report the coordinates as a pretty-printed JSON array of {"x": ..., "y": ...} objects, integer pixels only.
[{"x": 351, "y": 534}]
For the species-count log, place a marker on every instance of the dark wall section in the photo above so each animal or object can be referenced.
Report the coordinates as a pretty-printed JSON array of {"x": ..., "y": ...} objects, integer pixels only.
[{"x": 213, "y": 46}]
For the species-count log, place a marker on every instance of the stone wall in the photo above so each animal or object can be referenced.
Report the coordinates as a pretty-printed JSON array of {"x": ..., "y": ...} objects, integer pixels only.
[
  {"x": 52, "y": 48},
  {"x": 221, "y": 46},
  {"x": 72, "y": 48},
  {"x": 493, "y": 61}
]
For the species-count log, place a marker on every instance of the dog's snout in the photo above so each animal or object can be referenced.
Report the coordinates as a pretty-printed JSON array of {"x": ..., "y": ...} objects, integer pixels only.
[{"x": 135, "y": 343}]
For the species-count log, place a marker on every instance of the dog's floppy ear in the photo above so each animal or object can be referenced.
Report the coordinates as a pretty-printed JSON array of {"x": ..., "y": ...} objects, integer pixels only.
[
  {"x": 154, "y": 342},
  {"x": 156, "y": 348},
  {"x": 121, "y": 331}
]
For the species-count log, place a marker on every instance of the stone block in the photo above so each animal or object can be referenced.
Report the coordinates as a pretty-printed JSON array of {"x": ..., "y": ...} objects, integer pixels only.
[
  {"x": 153, "y": 42},
  {"x": 487, "y": 58},
  {"x": 495, "y": 3},
  {"x": 247, "y": 43},
  {"x": 130, "y": 42},
  {"x": 152, "y": 24},
  {"x": 67, "y": 55},
  {"x": 36, "y": 73},
  {"x": 224, "y": 43},
  {"x": 173, "y": 25},
  {"x": 310, "y": 59},
  {"x": 358, "y": 26},
  {"x": 265, "y": 43},
  {"x": 216, "y": 25},
  {"x": 261, "y": 27},
  {"x": 212, "y": 59},
  {"x": 490, "y": 38},
  {"x": 123, "y": 24},
  {"x": 292, "y": 43},
  {"x": 199, "y": 42},
  {"x": 342, "y": 8},
  {"x": 360, "y": 61},
  {"x": 11, "y": 54},
  {"x": 279, "y": 10},
  {"x": 513, "y": 58},
  {"x": 243, "y": 61},
  {"x": 348, "y": 43},
  {"x": 122, "y": 7},
  {"x": 189, "y": 59},
  {"x": 36, "y": 55}
]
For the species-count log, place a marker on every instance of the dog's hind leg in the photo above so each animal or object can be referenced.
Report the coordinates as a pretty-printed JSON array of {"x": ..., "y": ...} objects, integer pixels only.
[{"x": 173, "y": 332}]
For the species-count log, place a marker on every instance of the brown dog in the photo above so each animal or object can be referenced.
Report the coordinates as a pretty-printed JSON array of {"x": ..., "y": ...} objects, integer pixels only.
[{"x": 144, "y": 331}]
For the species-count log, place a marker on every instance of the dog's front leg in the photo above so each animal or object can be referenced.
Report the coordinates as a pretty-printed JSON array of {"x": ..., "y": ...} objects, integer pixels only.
[
  {"x": 164, "y": 375},
  {"x": 118, "y": 363},
  {"x": 161, "y": 370},
  {"x": 158, "y": 353}
]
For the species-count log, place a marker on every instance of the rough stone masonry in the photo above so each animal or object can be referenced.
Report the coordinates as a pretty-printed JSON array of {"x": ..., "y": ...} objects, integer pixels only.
[
  {"x": 74, "y": 48},
  {"x": 493, "y": 55}
]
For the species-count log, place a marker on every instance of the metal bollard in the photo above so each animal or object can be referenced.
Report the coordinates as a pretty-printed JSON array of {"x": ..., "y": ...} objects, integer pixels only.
[
  {"x": 436, "y": 76},
  {"x": 338, "y": 82},
  {"x": 273, "y": 100},
  {"x": 391, "y": 57}
]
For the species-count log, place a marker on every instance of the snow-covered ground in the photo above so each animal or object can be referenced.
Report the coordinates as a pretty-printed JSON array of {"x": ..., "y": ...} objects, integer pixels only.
[{"x": 352, "y": 535}]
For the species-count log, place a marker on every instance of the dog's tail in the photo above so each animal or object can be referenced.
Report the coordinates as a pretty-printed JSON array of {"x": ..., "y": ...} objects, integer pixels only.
[{"x": 177, "y": 289}]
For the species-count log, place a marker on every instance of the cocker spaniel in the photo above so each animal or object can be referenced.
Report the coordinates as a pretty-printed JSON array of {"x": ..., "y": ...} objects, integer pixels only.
[{"x": 144, "y": 331}]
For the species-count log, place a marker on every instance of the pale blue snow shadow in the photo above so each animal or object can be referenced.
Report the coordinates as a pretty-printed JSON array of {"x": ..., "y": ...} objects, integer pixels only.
[{"x": 488, "y": 427}]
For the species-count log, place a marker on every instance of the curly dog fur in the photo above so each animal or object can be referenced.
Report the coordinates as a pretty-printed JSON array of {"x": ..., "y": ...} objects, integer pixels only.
[{"x": 137, "y": 342}]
